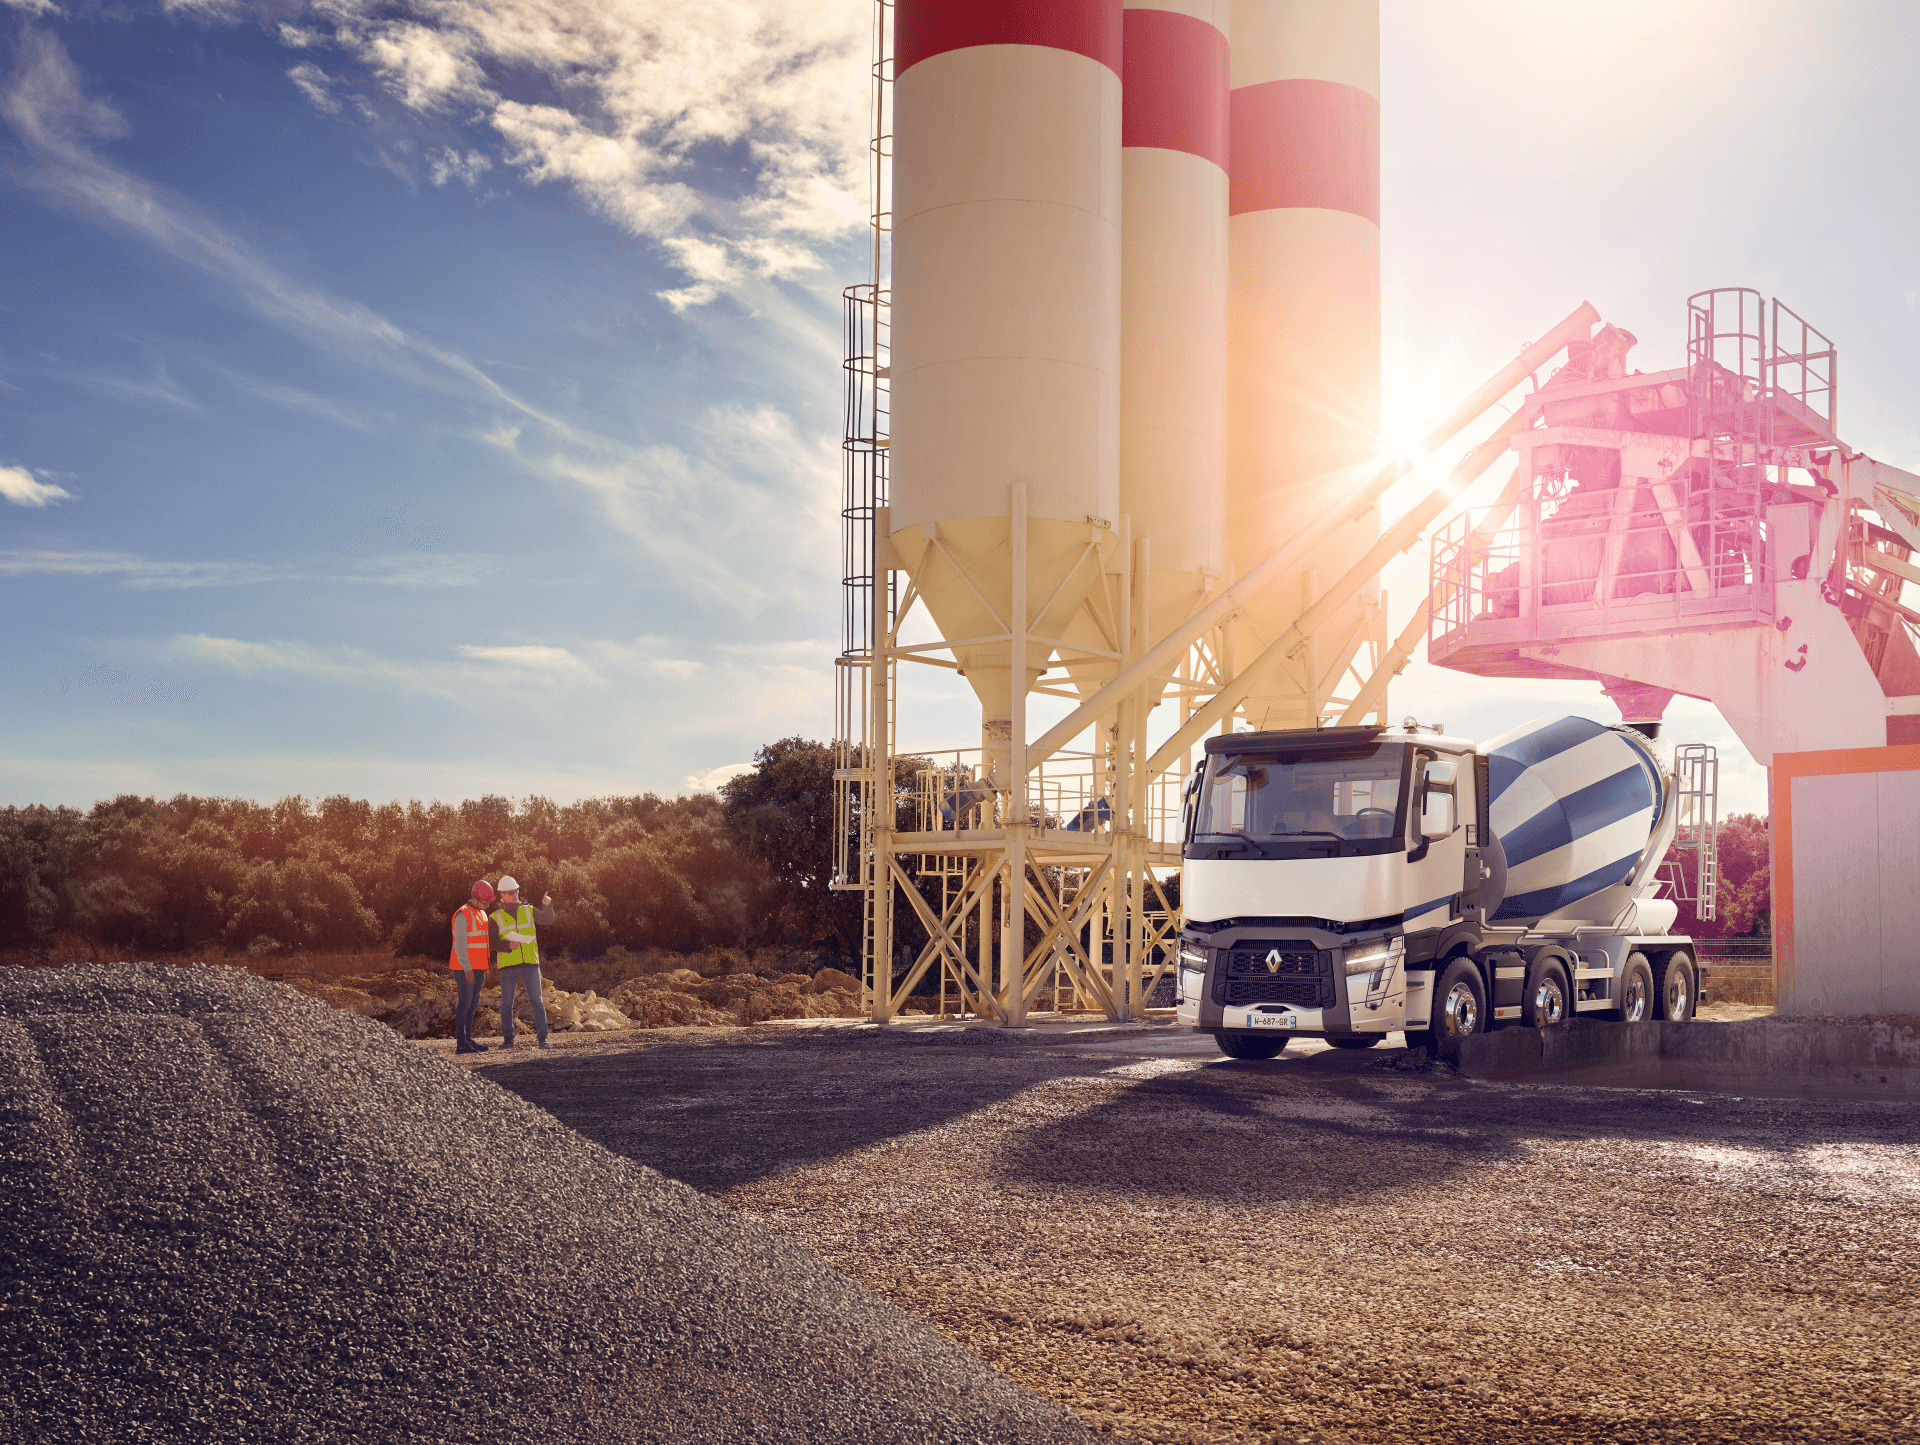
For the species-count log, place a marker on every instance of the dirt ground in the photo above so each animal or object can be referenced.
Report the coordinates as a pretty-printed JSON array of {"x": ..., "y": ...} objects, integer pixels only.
[{"x": 1316, "y": 1248}]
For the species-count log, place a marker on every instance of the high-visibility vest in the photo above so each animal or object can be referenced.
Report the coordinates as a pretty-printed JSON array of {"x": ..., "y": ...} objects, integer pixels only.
[
  {"x": 476, "y": 939},
  {"x": 526, "y": 947}
]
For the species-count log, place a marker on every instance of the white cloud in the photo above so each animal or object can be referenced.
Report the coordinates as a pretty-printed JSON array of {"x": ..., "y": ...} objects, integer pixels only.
[
  {"x": 652, "y": 110},
  {"x": 294, "y": 399},
  {"x": 472, "y": 683},
  {"x": 450, "y": 165},
  {"x": 682, "y": 667},
  {"x": 34, "y": 7},
  {"x": 449, "y": 570},
  {"x": 23, "y": 489},
  {"x": 315, "y": 84},
  {"x": 542, "y": 657},
  {"x": 713, "y": 779}
]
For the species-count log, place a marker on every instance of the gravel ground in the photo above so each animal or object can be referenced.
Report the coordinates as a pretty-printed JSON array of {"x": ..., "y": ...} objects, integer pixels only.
[
  {"x": 235, "y": 1214},
  {"x": 1318, "y": 1248}
]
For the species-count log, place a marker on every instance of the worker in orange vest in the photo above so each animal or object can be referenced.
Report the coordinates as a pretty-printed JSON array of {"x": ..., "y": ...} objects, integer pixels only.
[{"x": 472, "y": 954}]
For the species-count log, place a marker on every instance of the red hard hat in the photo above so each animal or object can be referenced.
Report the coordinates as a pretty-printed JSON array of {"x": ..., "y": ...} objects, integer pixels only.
[{"x": 483, "y": 890}]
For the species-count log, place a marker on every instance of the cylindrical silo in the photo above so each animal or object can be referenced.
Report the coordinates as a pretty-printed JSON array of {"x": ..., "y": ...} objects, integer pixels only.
[
  {"x": 1303, "y": 336},
  {"x": 1173, "y": 303},
  {"x": 1006, "y": 314}
]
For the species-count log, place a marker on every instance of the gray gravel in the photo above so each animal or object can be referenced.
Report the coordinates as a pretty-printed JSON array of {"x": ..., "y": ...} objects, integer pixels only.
[{"x": 232, "y": 1213}]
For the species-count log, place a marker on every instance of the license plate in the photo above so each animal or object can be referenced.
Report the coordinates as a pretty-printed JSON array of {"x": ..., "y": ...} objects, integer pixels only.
[{"x": 1272, "y": 1021}]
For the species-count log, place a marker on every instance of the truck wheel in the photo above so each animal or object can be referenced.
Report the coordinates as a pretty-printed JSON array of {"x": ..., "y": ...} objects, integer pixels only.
[
  {"x": 1636, "y": 992},
  {"x": 1674, "y": 987},
  {"x": 1249, "y": 1046},
  {"x": 1354, "y": 1041},
  {"x": 1459, "y": 1003},
  {"x": 1549, "y": 997}
]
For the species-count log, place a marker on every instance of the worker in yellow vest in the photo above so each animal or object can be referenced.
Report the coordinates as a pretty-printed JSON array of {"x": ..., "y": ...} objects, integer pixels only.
[
  {"x": 472, "y": 948},
  {"x": 520, "y": 957}
]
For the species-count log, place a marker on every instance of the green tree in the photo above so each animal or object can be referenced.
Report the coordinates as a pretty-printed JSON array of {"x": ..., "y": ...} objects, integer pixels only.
[{"x": 782, "y": 812}]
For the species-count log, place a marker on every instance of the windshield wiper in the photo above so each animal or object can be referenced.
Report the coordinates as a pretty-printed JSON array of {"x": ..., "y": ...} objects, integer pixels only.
[{"x": 1307, "y": 833}]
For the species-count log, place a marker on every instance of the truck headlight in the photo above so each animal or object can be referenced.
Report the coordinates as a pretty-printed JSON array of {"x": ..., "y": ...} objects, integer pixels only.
[
  {"x": 1375, "y": 957},
  {"x": 1193, "y": 958}
]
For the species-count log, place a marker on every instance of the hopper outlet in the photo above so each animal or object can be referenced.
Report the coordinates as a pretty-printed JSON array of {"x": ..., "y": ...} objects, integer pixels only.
[{"x": 980, "y": 594}]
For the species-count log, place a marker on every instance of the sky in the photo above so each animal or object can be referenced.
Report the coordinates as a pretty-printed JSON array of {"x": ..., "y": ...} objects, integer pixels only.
[{"x": 441, "y": 398}]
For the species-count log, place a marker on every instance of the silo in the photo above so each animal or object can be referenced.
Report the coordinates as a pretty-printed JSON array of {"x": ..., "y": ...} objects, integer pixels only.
[
  {"x": 1006, "y": 317},
  {"x": 1303, "y": 339},
  {"x": 1173, "y": 305}
]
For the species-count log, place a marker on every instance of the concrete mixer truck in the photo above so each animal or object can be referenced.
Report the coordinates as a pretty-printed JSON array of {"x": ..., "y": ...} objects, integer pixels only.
[{"x": 1347, "y": 882}]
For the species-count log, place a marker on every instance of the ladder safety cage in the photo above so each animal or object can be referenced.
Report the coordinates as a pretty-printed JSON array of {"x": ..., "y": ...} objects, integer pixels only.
[{"x": 1696, "y": 775}]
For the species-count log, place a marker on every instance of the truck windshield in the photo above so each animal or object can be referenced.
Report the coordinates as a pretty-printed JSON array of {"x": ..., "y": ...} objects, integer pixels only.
[{"x": 1302, "y": 803}]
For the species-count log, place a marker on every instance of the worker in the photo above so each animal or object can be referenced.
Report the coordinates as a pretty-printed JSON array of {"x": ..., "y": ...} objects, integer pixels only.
[
  {"x": 473, "y": 943},
  {"x": 520, "y": 956}
]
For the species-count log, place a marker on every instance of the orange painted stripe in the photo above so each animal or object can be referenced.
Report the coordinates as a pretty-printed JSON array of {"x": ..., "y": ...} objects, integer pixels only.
[
  {"x": 1300, "y": 143},
  {"x": 1176, "y": 92},
  {"x": 925, "y": 28}
]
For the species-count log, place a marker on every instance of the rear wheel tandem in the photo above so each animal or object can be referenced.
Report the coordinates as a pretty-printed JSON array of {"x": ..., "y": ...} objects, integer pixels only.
[
  {"x": 1674, "y": 986},
  {"x": 1459, "y": 1003},
  {"x": 1250, "y": 1046},
  {"x": 1548, "y": 999},
  {"x": 1636, "y": 991}
]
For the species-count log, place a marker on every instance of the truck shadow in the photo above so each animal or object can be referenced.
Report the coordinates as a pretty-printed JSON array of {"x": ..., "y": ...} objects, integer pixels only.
[
  {"x": 717, "y": 1112},
  {"x": 1290, "y": 1132}
]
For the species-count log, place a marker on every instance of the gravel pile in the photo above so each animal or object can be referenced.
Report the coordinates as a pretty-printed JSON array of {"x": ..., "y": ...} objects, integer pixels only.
[{"x": 234, "y": 1213}]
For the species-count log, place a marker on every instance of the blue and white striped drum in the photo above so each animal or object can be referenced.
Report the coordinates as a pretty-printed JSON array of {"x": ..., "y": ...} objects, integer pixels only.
[{"x": 1573, "y": 805}]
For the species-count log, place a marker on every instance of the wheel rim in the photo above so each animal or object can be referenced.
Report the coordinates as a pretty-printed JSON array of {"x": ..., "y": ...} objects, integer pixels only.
[
  {"x": 1461, "y": 1012},
  {"x": 1636, "y": 1000},
  {"x": 1677, "y": 995},
  {"x": 1549, "y": 1003}
]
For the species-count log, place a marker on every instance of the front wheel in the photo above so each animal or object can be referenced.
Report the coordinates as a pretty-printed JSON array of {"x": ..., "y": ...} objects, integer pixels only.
[
  {"x": 1249, "y": 1046},
  {"x": 1674, "y": 987},
  {"x": 1354, "y": 1041},
  {"x": 1459, "y": 1003}
]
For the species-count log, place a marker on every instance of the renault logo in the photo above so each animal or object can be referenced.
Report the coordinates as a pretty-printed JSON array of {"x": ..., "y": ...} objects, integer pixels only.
[{"x": 1273, "y": 960}]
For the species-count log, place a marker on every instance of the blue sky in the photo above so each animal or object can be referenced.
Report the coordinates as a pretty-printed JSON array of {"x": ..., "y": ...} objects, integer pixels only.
[{"x": 435, "y": 399}]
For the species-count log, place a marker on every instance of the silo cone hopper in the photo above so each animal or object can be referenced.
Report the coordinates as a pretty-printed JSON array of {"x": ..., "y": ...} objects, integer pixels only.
[{"x": 975, "y": 583}]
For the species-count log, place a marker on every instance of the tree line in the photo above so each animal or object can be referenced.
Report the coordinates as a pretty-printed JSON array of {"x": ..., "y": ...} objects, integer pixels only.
[{"x": 747, "y": 868}]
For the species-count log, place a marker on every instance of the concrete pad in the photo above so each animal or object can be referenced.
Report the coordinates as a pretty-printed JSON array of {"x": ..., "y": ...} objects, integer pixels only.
[{"x": 1865, "y": 1058}]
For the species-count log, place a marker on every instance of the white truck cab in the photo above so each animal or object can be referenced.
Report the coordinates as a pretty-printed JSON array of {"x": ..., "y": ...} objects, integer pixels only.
[{"x": 1346, "y": 883}]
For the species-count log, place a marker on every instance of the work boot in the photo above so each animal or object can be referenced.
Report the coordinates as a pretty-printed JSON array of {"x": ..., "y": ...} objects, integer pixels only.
[{"x": 541, "y": 1044}]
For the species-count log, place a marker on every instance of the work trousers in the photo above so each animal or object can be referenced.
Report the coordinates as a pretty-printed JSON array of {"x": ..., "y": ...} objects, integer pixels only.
[
  {"x": 529, "y": 974},
  {"x": 468, "y": 982}
]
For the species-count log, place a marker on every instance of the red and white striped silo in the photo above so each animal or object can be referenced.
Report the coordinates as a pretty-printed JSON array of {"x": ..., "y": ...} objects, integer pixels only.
[
  {"x": 1303, "y": 336},
  {"x": 1173, "y": 308},
  {"x": 1006, "y": 313}
]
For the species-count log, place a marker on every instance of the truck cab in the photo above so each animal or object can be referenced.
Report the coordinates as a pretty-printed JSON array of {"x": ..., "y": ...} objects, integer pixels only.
[{"x": 1337, "y": 882}]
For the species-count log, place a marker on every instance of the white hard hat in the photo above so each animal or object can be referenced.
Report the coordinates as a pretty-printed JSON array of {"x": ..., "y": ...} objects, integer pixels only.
[{"x": 506, "y": 884}]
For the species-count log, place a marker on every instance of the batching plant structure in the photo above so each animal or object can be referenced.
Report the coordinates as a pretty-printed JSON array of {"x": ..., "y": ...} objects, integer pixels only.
[{"x": 1112, "y": 427}]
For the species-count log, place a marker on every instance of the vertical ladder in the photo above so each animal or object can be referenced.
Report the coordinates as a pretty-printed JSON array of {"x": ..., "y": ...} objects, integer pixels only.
[{"x": 1696, "y": 774}]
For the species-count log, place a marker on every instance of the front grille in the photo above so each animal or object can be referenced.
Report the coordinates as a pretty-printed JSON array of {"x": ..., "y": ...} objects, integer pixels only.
[
  {"x": 1300, "y": 992},
  {"x": 1259, "y": 962},
  {"x": 1290, "y": 972}
]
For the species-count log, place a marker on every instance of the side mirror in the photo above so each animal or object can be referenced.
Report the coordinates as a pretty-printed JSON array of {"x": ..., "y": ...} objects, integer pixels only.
[{"x": 1438, "y": 811}]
